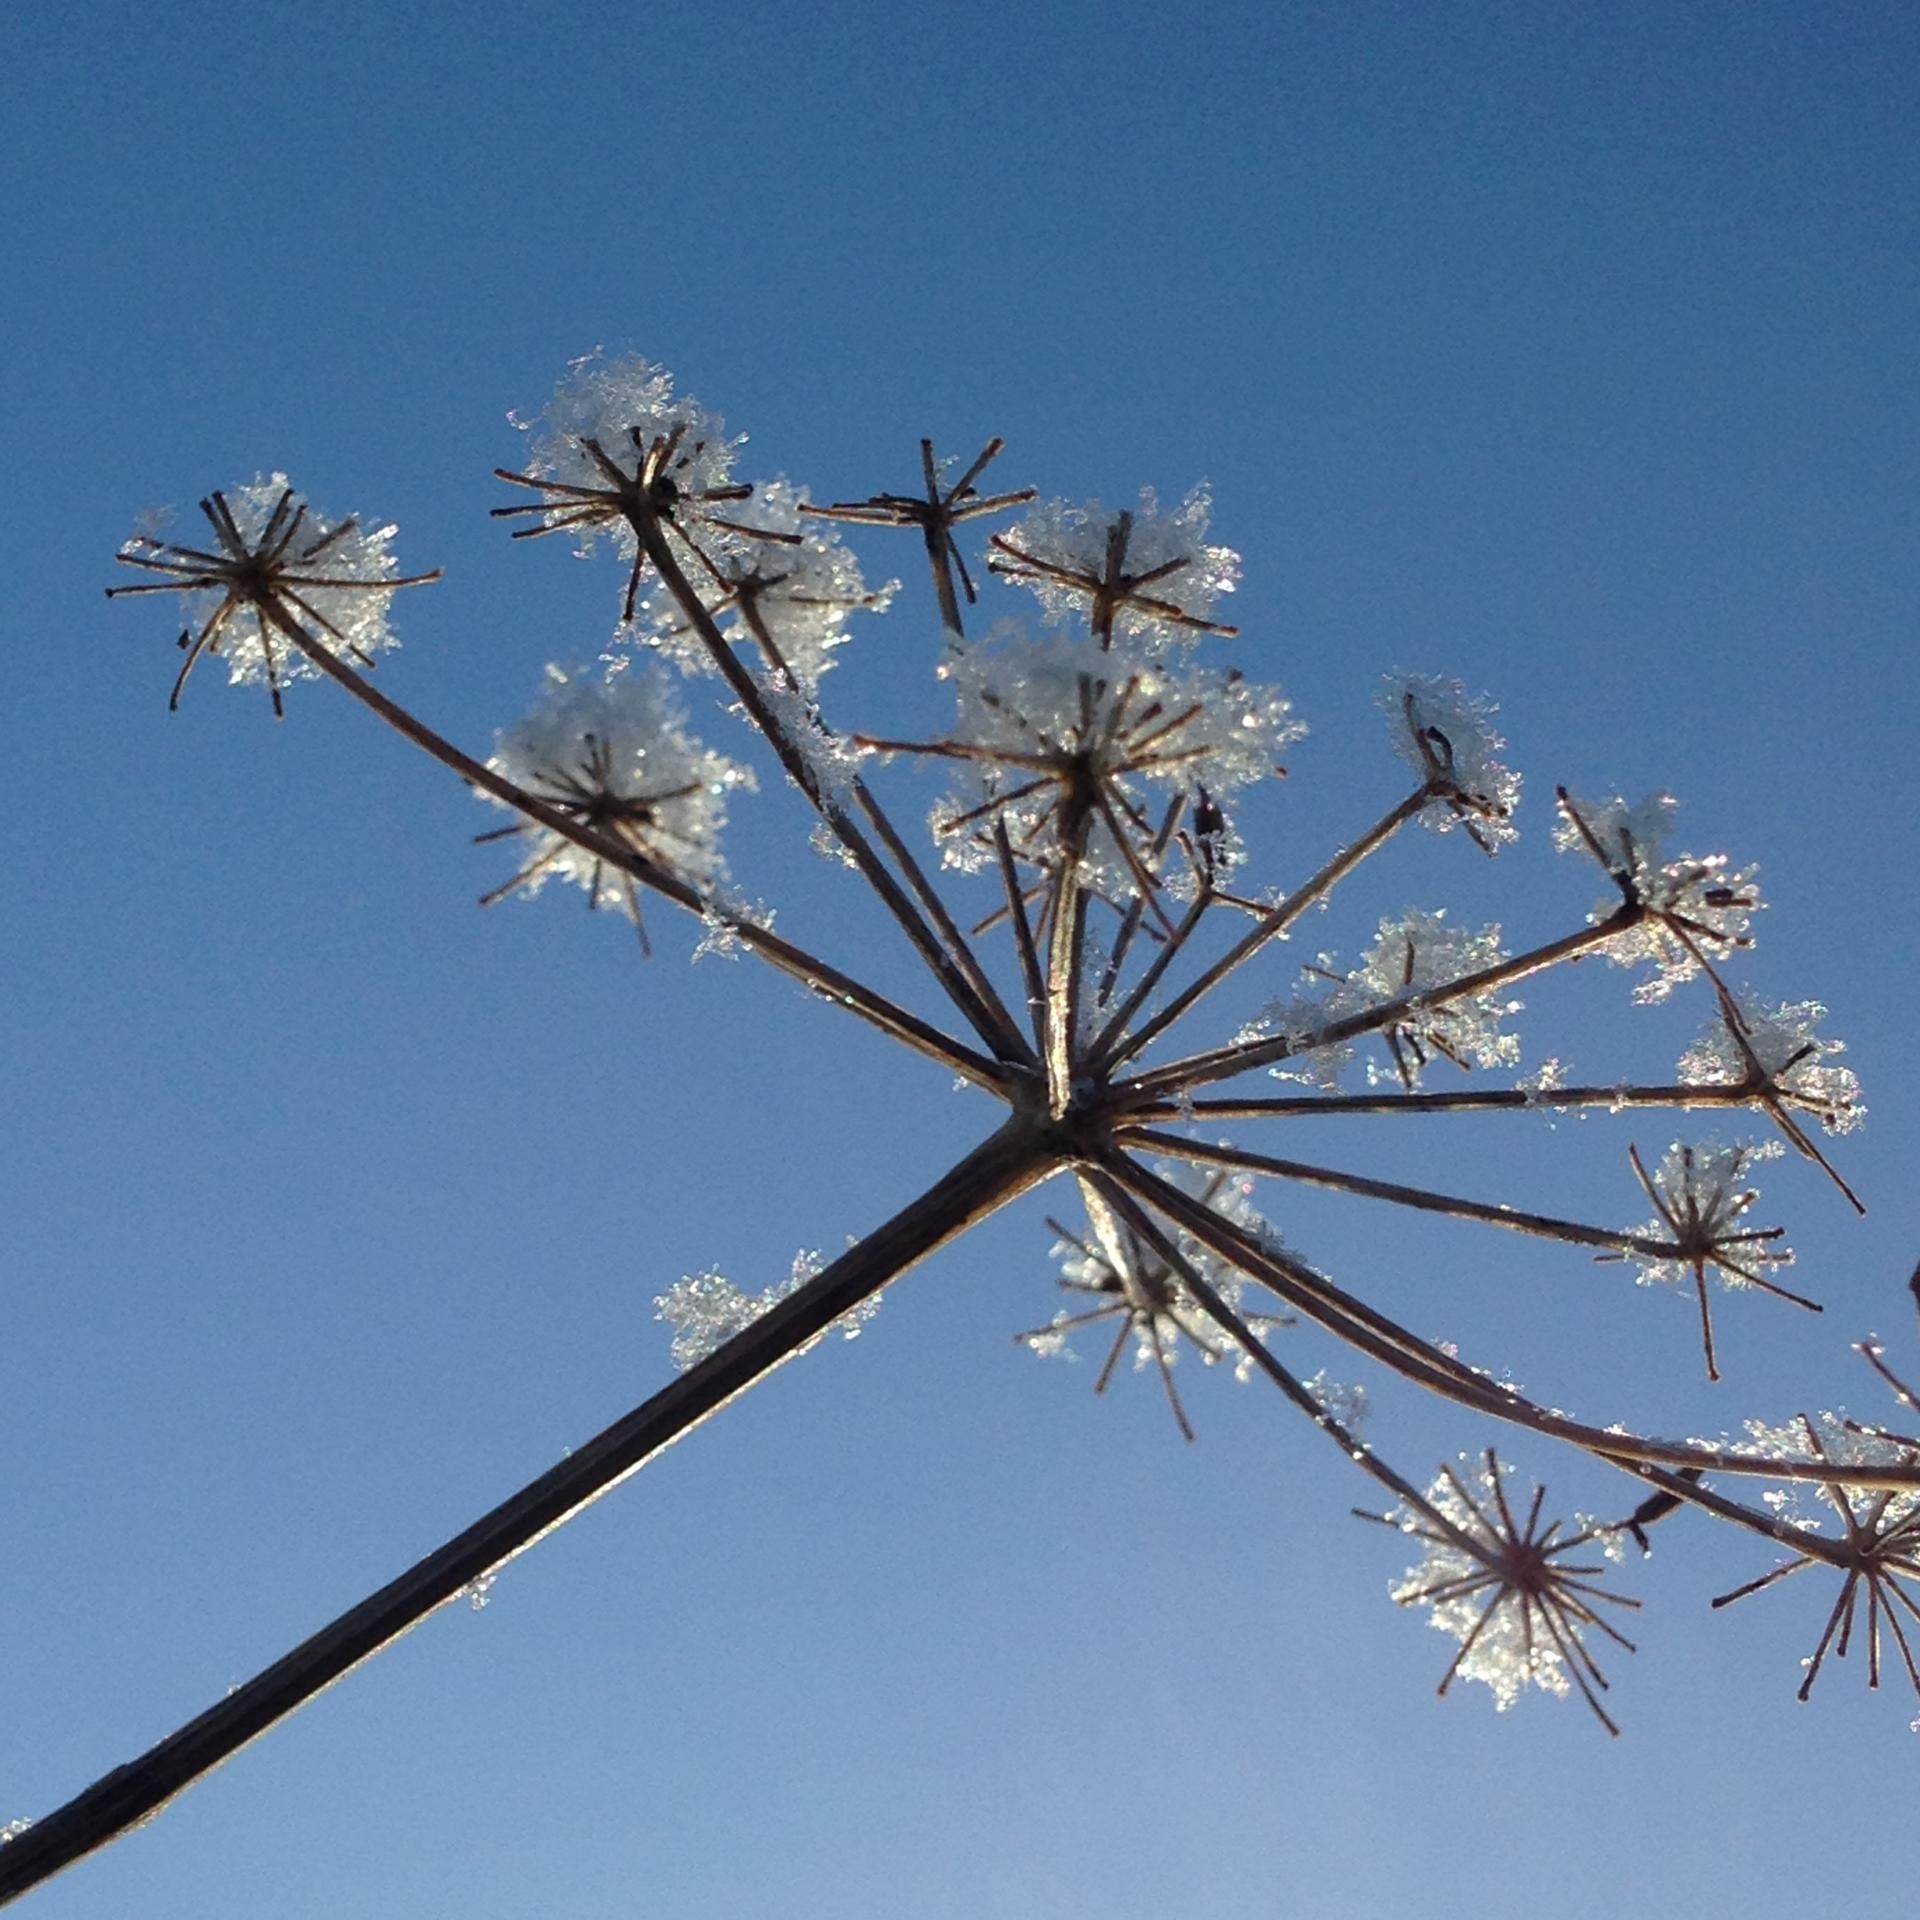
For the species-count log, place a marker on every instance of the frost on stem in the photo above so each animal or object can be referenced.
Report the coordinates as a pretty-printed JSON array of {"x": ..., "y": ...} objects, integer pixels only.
[
  {"x": 277, "y": 575},
  {"x": 705, "y": 1310},
  {"x": 615, "y": 757},
  {"x": 1411, "y": 955},
  {"x": 1877, "y": 1548},
  {"x": 1505, "y": 1589},
  {"x": 1057, "y": 738},
  {"x": 1447, "y": 736},
  {"x": 1141, "y": 575},
  {"x": 1694, "y": 910},
  {"x": 1145, "y": 1299},
  {"x": 775, "y": 583},
  {"x": 614, "y": 450},
  {"x": 1701, "y": 1201},
  {"x": 1774, "y": 1049}
]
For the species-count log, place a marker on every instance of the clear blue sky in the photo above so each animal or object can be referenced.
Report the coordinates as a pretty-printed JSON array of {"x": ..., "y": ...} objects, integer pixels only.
[{"x": 1571, "y": 350}]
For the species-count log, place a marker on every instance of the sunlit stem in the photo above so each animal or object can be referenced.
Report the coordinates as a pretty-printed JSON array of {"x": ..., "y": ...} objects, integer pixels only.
[
  {"x": 1231, "y": 1323},
  {"x": 1022, "y": 929},
  {"x": 1137, "y": 908},
  {"x": 1512, "y": 1219},
  {"x": 828, "y": 982},
  {"x": 1477, "y": 1100},
  {"x": 1222, "y": 1064},
  {"x": 1270, "y": 927},
  {"x": 954, "y": 941},
  {"x": 1066, "y": 945},
  {"x": 653, "y": 541},
  {"x": 1007, "y": 1165},
  {"x": 1418, "y": 1361}
]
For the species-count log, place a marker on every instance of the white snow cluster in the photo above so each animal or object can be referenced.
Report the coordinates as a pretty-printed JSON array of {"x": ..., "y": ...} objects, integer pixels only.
[
  {"x": 330, "y": 574},
  {"x": 796, "y": 573},
  {"x": 1696, "y": 906},
  {"x": 1447, "y": 736},
  {"x": 1410, "y": 956},
  {"x": 614, "y": 754},
  {"x": 705, "y": 1310},
  {"x": 1058, "y": 546},
  {"x": 1704, "y": 1199},
  {"x": 626, "y": 405},
  {"x": 1787, "y": 1051},
  {"x": 1040, "y": 719}
]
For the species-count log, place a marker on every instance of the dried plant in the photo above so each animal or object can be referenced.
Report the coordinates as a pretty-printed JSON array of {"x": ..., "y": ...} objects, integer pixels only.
[{"x": 1097, "y": 767}]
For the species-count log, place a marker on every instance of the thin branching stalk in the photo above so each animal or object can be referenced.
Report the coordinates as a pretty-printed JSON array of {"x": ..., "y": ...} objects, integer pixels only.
[
  {"x": 1115, "y": 1053},
  {"x": 989, "y": 1020},
  {"x": 1203, "y": 1069},
  {"x": 1462, "y": 1100}
]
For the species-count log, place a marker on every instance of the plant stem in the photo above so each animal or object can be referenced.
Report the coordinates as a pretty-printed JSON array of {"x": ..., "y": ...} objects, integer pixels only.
[
  {"x": 1270, "y": 927},
  {"x": 1008, "y": 1164},
  {"x": 996, "y": 1033},
  {"x": 1223, "y": 1063}
]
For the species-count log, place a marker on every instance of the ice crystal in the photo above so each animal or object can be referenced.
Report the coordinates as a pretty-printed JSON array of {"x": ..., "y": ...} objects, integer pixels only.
[
  {"x": 277, "y": 567},
  {"x": 1146, "y": 1298},
  {"x": 1701, "y": 1201},
  {"x": 1695, "y": 909},
  {"x": 1753, "y": 1044},
  {"x": 624, "y": 405},
  {"x": 1410, "y": 957},
  {"x": 1138, "y": 575},
  {"x": 615, "y": 757},
  {"x": 1447, "y": 736},
  {"x": 1057, "y": 737},
  {"x": 1878, "y": 1542},
  {"x": 773, "y": 582},
  {"x": 705, "y": 1310},
  {"x": 1505, "y": 1589}
]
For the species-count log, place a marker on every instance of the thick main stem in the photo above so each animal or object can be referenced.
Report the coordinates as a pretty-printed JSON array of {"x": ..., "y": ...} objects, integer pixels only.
[{"x": 1008, "y": 1164}]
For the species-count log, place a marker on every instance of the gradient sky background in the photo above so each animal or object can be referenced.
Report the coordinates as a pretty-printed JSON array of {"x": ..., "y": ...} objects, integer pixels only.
[{"x": 1568, "y": 349}]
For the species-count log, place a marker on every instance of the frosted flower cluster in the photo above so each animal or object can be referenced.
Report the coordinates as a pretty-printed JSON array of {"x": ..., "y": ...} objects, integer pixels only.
[
  {"x": 334, "y": 577},
  {"x": 1504, "y": 1589},
  {"x": 614, "y": 755},
  {"x": 1055, "y": 730},
  {"x": 1703, "y": 1198},
  {"x": 1137, "y": 1287},
  {"x": 1778, "y": 1045},
  {"x": 1159, "y": 574},
  {"x": 1696, "y": 907},
  {"x": 1448, "y": 738},
  {"x": 795, "y": 574},
  {"x": 1843, "y": 1442},
  {"x": 626, "y": 406},
  {"x": 1409, "y": 956},
  {"x": 705, "y": 1310}
]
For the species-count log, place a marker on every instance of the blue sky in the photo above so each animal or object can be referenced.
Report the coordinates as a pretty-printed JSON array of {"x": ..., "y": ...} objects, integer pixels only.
[{"x": 1568, "y": 350}]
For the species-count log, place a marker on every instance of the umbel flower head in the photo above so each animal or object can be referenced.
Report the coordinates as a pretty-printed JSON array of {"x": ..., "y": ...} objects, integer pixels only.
[
  {"x": 1410, "y": 955},
  {"x": 1691, "y": 911},
  {"x": 1139, "y": 575},
  {"x": 1058, "y": 734},
  {"x": 1506, "y": 1590},
  {"x": 1877, "y": 1551},
  {"x": 1701, "y": 1199},
  {"x": 1447, "y": 736},
  {"x": 279, "y": 584},
  {"x": 773, "y": 581},
  {"x": 1141, "y": 1294},
  {"x": 616, "y": 451},
  {"x": 615, "y": 757}
]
